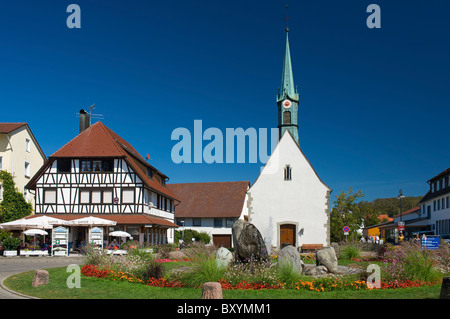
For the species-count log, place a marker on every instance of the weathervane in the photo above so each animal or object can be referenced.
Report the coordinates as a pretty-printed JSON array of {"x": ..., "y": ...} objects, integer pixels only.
[{"x": 287, "y": 17}]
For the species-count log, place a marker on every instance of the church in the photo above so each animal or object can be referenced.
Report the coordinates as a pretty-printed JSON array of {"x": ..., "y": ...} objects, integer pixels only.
[{"x": 288, "y": 202}]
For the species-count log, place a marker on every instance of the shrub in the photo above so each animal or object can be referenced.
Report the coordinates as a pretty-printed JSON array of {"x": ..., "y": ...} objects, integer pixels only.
[
  {"x": 349, "y": 252},
  {"x": 205, "y": 267},
  {"x": 287, "y": 273},
  {"x": 11, "y": 243},
  {"x": 189, "y": 234}
]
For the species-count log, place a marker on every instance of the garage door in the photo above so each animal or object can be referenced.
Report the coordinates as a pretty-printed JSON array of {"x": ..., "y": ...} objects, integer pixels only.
[{"x": 222, "y": 240}]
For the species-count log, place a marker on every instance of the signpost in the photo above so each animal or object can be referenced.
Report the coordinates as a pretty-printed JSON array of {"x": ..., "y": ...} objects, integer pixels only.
[
  {"x": 401, "y": 226},
  {"x": 60, "y": 241},
  {"x": 346, "y": 230}
]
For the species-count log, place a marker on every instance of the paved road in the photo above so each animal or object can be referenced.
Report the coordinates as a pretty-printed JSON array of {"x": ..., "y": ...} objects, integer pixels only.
[{"x": 13, "y": 265}]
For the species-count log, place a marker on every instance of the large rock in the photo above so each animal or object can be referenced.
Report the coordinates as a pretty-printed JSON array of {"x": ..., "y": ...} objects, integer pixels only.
[
  {"x": 327, "y": 257},
  {"x": 223, "y": 257},
  {"x": 445, "y": 288},
  {"x": 212, "y": 290},
  {"x": 248, "y": 242},
  {"x": 290, "y": 255},
  {"x": 41, "y": 278},
  {"x": 316, "y": 271}
]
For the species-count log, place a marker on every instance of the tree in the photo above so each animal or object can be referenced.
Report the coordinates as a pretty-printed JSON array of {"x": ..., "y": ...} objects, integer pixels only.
[
  {"x": 13, "y": 206},
  {"x": 345, "y": 212}
]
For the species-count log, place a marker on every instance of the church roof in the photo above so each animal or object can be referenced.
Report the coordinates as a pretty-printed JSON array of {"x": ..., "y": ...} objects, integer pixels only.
[
  {"x": 214, "y": 199},
  {"x": 100, "y": 141}
]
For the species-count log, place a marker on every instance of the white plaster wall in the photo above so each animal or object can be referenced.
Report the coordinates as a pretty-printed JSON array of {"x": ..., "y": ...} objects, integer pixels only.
[{"x": 301, "y": 201}]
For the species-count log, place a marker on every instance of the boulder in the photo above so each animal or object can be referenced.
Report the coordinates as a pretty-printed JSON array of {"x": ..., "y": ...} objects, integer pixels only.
[
  {"x": 248, "y": 241},
  {"x": 327, "y": 257},
  {"x": 212, "y": 290},
  {"x": 316, "y": 271},
  {"x": 223, "y": 257},
  {"x": 40, "y": 278},
  {"x": 291, "y": 255}
]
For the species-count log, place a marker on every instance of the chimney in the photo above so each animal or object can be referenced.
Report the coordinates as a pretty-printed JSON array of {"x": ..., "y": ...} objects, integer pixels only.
[{"x": 85, "y": 120}]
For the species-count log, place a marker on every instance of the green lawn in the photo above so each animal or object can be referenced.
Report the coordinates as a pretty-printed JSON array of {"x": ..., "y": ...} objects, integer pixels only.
[{"x": 94, "y": 288}]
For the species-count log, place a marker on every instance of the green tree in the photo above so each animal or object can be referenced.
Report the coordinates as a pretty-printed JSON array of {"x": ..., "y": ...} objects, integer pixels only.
[
  {"x": 13, "y": 206},
  {"x": 345, "y": 213}
]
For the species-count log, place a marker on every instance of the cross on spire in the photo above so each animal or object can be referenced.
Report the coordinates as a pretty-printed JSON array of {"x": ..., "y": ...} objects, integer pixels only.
[{"x": 287, "y": 17}]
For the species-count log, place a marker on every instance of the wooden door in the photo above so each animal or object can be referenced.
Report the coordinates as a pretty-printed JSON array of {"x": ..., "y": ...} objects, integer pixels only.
[
  {"x": 287, "y": 235},
  {"x": 222, "y": 240}
]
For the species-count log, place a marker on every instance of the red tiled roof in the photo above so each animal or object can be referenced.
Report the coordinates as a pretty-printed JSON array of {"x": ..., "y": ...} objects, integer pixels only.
[
  {"x": 100, "y": 141},
  {"x": 409, "y": 211},
  {"x": 122, "y": 219},
  {"x": 6, "y": 128},
  {"x": 219, "y": 199}
]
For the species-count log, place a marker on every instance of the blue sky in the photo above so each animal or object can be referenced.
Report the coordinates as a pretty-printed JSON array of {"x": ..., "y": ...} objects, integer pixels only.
[{"x": 374, "y": 103}]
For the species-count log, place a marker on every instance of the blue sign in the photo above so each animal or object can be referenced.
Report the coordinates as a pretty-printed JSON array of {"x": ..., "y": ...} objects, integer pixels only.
[{"x": 430, "y": 242}]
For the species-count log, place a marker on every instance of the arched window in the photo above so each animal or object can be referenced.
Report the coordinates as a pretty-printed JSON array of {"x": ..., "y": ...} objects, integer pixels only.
[{"x": 287, "y": 117}]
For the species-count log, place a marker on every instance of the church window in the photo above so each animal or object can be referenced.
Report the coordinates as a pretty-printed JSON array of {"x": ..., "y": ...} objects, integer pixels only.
[
  {"x": 288, "y": 173},
  {"x": 287, "y": 117}
]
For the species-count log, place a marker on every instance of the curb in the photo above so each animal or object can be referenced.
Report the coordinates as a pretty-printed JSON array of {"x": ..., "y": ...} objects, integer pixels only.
[{"x": 15, "y": 292}]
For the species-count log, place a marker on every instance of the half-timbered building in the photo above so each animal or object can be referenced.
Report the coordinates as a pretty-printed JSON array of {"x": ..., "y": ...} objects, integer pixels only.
[{"x": 100, "y": 174}]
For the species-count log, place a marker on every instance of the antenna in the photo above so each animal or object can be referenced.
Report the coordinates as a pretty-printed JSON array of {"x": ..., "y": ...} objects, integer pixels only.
[{"x": 92, "y": 115}]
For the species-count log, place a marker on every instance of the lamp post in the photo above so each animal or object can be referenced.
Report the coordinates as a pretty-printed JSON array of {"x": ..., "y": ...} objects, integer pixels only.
[{"x": 400, "y": 196}]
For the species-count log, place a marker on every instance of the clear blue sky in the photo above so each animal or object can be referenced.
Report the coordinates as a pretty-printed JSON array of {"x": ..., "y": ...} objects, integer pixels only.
[{"x": 374, "y": 103}]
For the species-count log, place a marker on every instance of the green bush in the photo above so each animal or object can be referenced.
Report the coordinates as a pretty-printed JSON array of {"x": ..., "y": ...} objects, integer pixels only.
[
  {"x": 287, "y": 273},
  {"x": 189, "y": 234},
  {"x": 11, "y": 243}
]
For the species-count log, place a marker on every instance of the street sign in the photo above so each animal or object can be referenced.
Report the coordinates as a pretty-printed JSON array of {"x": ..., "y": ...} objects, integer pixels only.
[
  {"x": 401, "y": 226},
  {"x": 430, "y": 242},
  {"x": 346, "y": 229}
]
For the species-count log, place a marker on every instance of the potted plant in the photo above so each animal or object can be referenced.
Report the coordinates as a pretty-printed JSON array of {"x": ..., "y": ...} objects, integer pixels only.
[{"x": 10, "y": 245}]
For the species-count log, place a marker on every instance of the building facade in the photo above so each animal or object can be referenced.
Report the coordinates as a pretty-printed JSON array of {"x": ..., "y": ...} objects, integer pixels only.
[
  {"x": 435, "y": 205},
  {"x": 288, "y": 202},
  {"x": 211, "y": 208},
  {"x": 20, "y": 155},
  {"x": 100, "y": 174}
]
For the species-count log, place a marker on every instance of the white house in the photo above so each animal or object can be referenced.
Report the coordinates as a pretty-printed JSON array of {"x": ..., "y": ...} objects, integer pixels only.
[
  {"x": 289, "y": 203},
  {"x": 211, "y": 208},
  {"x": 435, "y": 205},
  {"x": 20, "y": 155}
]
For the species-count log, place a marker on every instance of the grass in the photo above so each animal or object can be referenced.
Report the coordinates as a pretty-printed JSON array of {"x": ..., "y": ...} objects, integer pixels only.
[{"x": 94, "y": 288}]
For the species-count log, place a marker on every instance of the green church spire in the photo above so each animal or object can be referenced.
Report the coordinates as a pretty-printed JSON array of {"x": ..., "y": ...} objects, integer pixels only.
[
  {"x": 287, "y": 79},
  {"x": 287, "y": 98}
]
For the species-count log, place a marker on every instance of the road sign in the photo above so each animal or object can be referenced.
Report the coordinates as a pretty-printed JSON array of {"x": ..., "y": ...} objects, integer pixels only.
[
  {"x": 346, "y": 229},
  {"x": 401, "y": 226},
  {"x": 430, "y": 242}
]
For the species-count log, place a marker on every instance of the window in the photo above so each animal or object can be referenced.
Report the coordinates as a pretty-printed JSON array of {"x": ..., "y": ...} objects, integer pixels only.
[
  {"x": 150, "y": 172},
  {"x": 107, "y": 196},
  {"x": 217, "y": 222},
  {"x": 196, "y": 221},
  {"x": 85, "y": 166},
  {"x": 50, "y": 196},
  {"x": 26, "y": 194},
  {"x": 85, "y": 196},
  {"x": 27, "y": 145},
  {"x": 96, "y": 166},
  {"x": 287, "y": 117},
  {"x": 230, "y": 221},
  {"x": 27, "y": 169},
  {"x": 127, "y": 196},
  {"x": 96, "y": 197},
  {"x": 288, "y": 173},
  {"x": 448, "y": 201},
  {"x": 434, "y": 206},
  {"x": 180, "y": 221},
  {"x": 1, "y": 163},
  {"x": 108, "y": 165},
  {"x": 64, "y": 165}
]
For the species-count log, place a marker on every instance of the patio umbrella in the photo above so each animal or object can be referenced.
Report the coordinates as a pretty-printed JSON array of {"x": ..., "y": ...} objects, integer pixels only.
[
  {"x": 119, "y": 233},
  {"x": 24, "y": 223},
  {"x": 35, "y": 232},
  {"x": 47, "y": 222},
  {"x": 92, "y": 221}
]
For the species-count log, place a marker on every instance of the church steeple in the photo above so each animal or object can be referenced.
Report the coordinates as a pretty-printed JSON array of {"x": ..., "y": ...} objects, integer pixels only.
[{"x": 287, "y": 98}]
